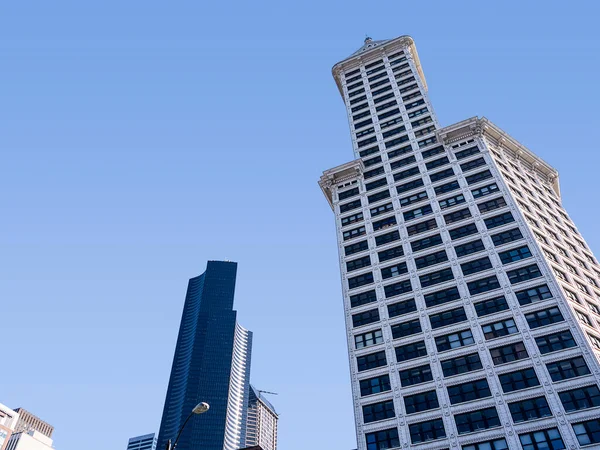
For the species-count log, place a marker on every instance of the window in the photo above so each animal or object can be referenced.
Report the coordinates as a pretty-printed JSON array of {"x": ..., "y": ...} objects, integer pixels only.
[
  {"x": 530, "y": 409},
  {"x": 496, "y": 221},
  {"x": 544, "y": 317},
  {"x": 419, "y": 212},
  {"x": 406, "y": 329},
  {"x": 491, "y": 205},
  {"x": 433, "y": 151},
  {"x": 454, "y": 340},
  {"x": 441, "y": 175},
  {"x": 434, "y": 278},
  {"x": 523, "y": 274},
  {"x": 587, "y": 432},
  {"x": 397, "y": 288},
  {"x": 542, "y": 440},
  {"x": 394, "y": 132},
  {"x": 507, "y": 236},
  {"x": 447, "y": 318},
  {"x": 350, "y": 206},
  {"x": 358, "y": 217},
  {"x": 499, "y": 329},
  {"x": 413, "y": 199},
  {"x": 508, "y": 353},
  {"x": 532, "y": 295},
  {"x": 393, "y": 271},
  {"x": 477, "y": 177},
  {"x": 387, "y": 238},
  {"x": 366, "y": 142},
  {"x": 448, "y": 187},
  {"x": 497, "y": 444},
  {"x": 462, "y": 364},
  {"x": 452, "y": 201},
  {"x": 390, "y": 253},
  {"x": 409, "y": 186},
  {"x": 416, "y": 375},
  {"x": 421, "y": 402},
  {"x": 520, "y": 379},
  {"x": 359, "y": 263},
  {"x": 381, "y": 440},
  {"x": 410, "y": 351},
  {"x": 403, "y": 162},
  {"x": 401, "y": 308},
  {"x": 467, "y": 392},
  {"x": 399, "y": 151},
  {"x": 483, "y": 285},
  {"x": 360, "y": 280},
  {"x": 396, "y": 141},
  {"x": 437, "y": 163},
  {"x": 375, "y": 385},
  {"x": 515, "y": 254},
  {"x": 427, "y": 431},
  {"x": 491, "y": 306},
  {"x": 465, "y": 153},
  {"x": 477, "y": 420},
  {"x": 595, "y": 340},
  {"x": 485, "y": 190},
  {"x": 347, "y": 194},
  {"x": 351, "y": 234},
  {"x": 356, "y": 248},
  {"x": 581, "y": 398},
  {"x": 378, "y": 411},
  {"x": 367, "y": 339},
  {"x": 421, "y": 227},
  {"x": 371, "y": 361},
  {"x": 363, "y": 298},
  {"x": 569, "y": 368},
  {"x": 427, "y": 242},
  {"x": 554, "y": 342},
  {"x": 431, "y": 259},
  {"x": 365, "y": 318},
  {"x": 441, "y": 297},
  {"x": 375, "y": 184},
  {"x": 469, "y": 248},
  {"x": 457, "y": 216},
  {"x": 461, "y": 232},
  {"x": 379, "y": 196},
  {"x": 384, "y": 223},
  {"x": 475, "y": 266}
]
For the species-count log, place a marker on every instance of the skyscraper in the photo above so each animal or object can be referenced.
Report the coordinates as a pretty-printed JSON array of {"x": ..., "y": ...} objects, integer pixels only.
[
  {"x": 211, "y": 364},
  {"x": 471, "y": 299},
  {"x": 145, "y": 442},
  {"x": 261, "y": 429}
]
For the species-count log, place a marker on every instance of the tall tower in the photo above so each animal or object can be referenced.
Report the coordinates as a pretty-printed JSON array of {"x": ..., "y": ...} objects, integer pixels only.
[
  {"x": 471, "y": 300},
  {"x": 211, "y": 364},
  {"x": 262, "y": 422}
]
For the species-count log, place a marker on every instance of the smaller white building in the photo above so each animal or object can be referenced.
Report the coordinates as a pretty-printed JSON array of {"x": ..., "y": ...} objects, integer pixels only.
[
  {"x": 8, "y": 421},
  {"x": 145, "y": 442},
  {"x": 31, "y": 440},
  {"x": 261, "y": 428}
]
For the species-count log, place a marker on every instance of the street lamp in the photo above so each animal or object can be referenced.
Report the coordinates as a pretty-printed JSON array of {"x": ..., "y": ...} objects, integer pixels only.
[{"x": 200, "y": 408}]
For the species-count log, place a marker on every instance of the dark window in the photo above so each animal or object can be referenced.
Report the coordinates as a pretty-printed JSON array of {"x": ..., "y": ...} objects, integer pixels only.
[
  {"x": 534, "y": 294},
  {"x": 483, "y": 285},
  {"x": 378, "y": 411},
  {"x": 523, "y": 274},
  {"x": 464, "y": 231},
  {"x": 396, "y": 141},
  {"x": 441, "y": 297},
  {"x": 448, "y": 187},
  {"x": 477, "y": 177},
  {"x": 375, "y": 184},
  {"x": 384, "y": 223},
  {"x": 355, "y": 232},
  {"x": 371, "y": 361},
  {"x": 368, "y": 339},
  {"x": 359, "y": 263},
  {"x": 499, "y": 329},
  {"x": 406, "y": 329},
  {"x": 587, "y": 432},
  {"x": 508, "y": 353},
  {"x": 390, "y": 253},
  {"x": 581, "y": 398},
  {"x": 447, "y": 318},
  {"x": 441, "y": 175},
  {"x": 358, "y": 91},
  {"x": 542, "y": 440},
  {"x": 421, "y": 227},
  {"x": 468, "y": 152},
  {"x": 475, "y": 266},
  {"x": 427, "y": 242},
  {"x": 406, "y": 173},
  {"x": 452, "y": 201},
  {"x": 393, "y": 271},
  {"x": 493, "y": 305},
  {"x": 372, "y": 161},
  {"x": 381, "y": 440},
  {"x": 467, "y": 392},
  {"x": 347, "y": 194},
  {"x": 423, "y": 401},
  {"x": 386, "y": 105},
  {"x": 491, "y": 205},
  {"x": 402, "y": 162},
  {"x": 554, "y": 342},
  {"x": 431, "y": 259},
  {"x": 355, "y": 248},
  {"x": 413, "y": 198},
  {"x": 363, "y": 298},
  {"x": 386, "y": 238},
  {"x": 457, "y": 215},
  {"x": 393, "y": 132},
  {"x": 521, "y": 379},
  {"x": 416, "y": 375},
  {"x": 375, "y": 385},
  {"x": 401, "y": 308},
  {"x": 437, "y": 277},
  {"x": 365, "y": 318},
  {"x": 433, "y": 151},
  {"x": 350, "y": 206},
  {"x": 358, "y": 100},
  {"x": 515, "y": 254},
  {"x": 485, "y": 190},
  {"x": 462, "y": 364},
  {"x": 569, "y": 368},
  {"x": 418, "y": 212},
  {"x": 358, "y": 217},
  {"x": 496, "y": 221},
  {"x": 454, "y": 340},
  {"x": 397, "y": 288},
  {"x": 496, "y": 444},
  {"x": 410, "y": 351},
  {"x": 409, "y": 186},
  {"x": 472, "y": 164},
  {"x": 365, "y": 132},
  {"x": 374, "y": 172},
  {"x": 366, "y": 142},
  {"x": 544, "y": 317},
  {"x": 399, "y": 151},
  {"x": 359, "y": 107},
  {"x": 437, "y": 163},
  {"x": 427, "y": 431},
  {"x": 477, "y": 420},
  {"x": 360, "y": 280},
  {"x": 507, "y": 236},
  {"x": 469, "y": 248},
  {"x": 390, "y": 123},
  {"x": 379, "y": 196},
  {"x": 381, "y": 209},
  {"x": 530, "y": 409}
]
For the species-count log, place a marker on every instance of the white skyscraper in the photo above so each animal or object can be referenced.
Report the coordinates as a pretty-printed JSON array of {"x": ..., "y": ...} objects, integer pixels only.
[
  {"x": 145, "y": 442},
  {"x": 261, "y": 427},
  {"x": 471, "y": 300}
]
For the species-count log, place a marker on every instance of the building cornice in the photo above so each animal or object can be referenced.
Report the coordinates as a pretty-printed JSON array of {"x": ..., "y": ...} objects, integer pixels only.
[{"x": 340, "y": 174}]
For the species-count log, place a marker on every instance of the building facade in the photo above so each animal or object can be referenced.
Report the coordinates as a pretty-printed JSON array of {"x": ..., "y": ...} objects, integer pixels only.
[
  {"x": 471, "y": 299},
  {"x": 29, "y": 440},
  {"x": 8, "y": 422},
  {"x": 28, "y": 422},
  {"x": 145, "y": 442},
  {"x": 211, "y": 364},
  {"x": 262, "y": 422}
]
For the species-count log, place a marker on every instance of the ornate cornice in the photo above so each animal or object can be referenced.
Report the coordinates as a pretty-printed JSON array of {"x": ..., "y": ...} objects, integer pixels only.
[{"x": 340, "y": 174}]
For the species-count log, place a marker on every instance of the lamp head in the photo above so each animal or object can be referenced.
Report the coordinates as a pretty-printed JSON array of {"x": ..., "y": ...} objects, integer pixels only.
[{"x": 201, "y": 408}]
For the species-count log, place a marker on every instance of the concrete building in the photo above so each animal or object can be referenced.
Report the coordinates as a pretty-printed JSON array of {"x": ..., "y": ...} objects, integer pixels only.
[
  {"x": 8, "y": 421},
  {"x": 28, "y": 422},
  {"x": 145, "y": 442},
  {"x": 470, "y": 297},
  {"x": 261, "y": 427},
  {"x": 29, "y": 440}
]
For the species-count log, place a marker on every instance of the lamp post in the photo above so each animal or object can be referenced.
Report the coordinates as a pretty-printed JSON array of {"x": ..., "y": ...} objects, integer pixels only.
[{"x": 200, "y": 408}]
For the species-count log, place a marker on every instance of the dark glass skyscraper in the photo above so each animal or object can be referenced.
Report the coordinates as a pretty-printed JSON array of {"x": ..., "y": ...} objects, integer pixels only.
[{"x": 211, "y": 364}]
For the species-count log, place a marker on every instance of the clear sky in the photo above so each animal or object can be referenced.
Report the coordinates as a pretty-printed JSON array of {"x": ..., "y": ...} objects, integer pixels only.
[{"x": 139, "y": 139}]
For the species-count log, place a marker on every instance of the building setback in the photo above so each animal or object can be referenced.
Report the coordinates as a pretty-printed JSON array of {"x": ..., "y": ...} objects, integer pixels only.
[
  {"x": 211, "y": 364},
  {"x": 261, "y": 429},
  {"x": 471, "y": 299}
]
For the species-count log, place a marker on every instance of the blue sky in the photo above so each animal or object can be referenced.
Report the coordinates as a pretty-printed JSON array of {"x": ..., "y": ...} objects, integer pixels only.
[{"x": 141, "y": 138}]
